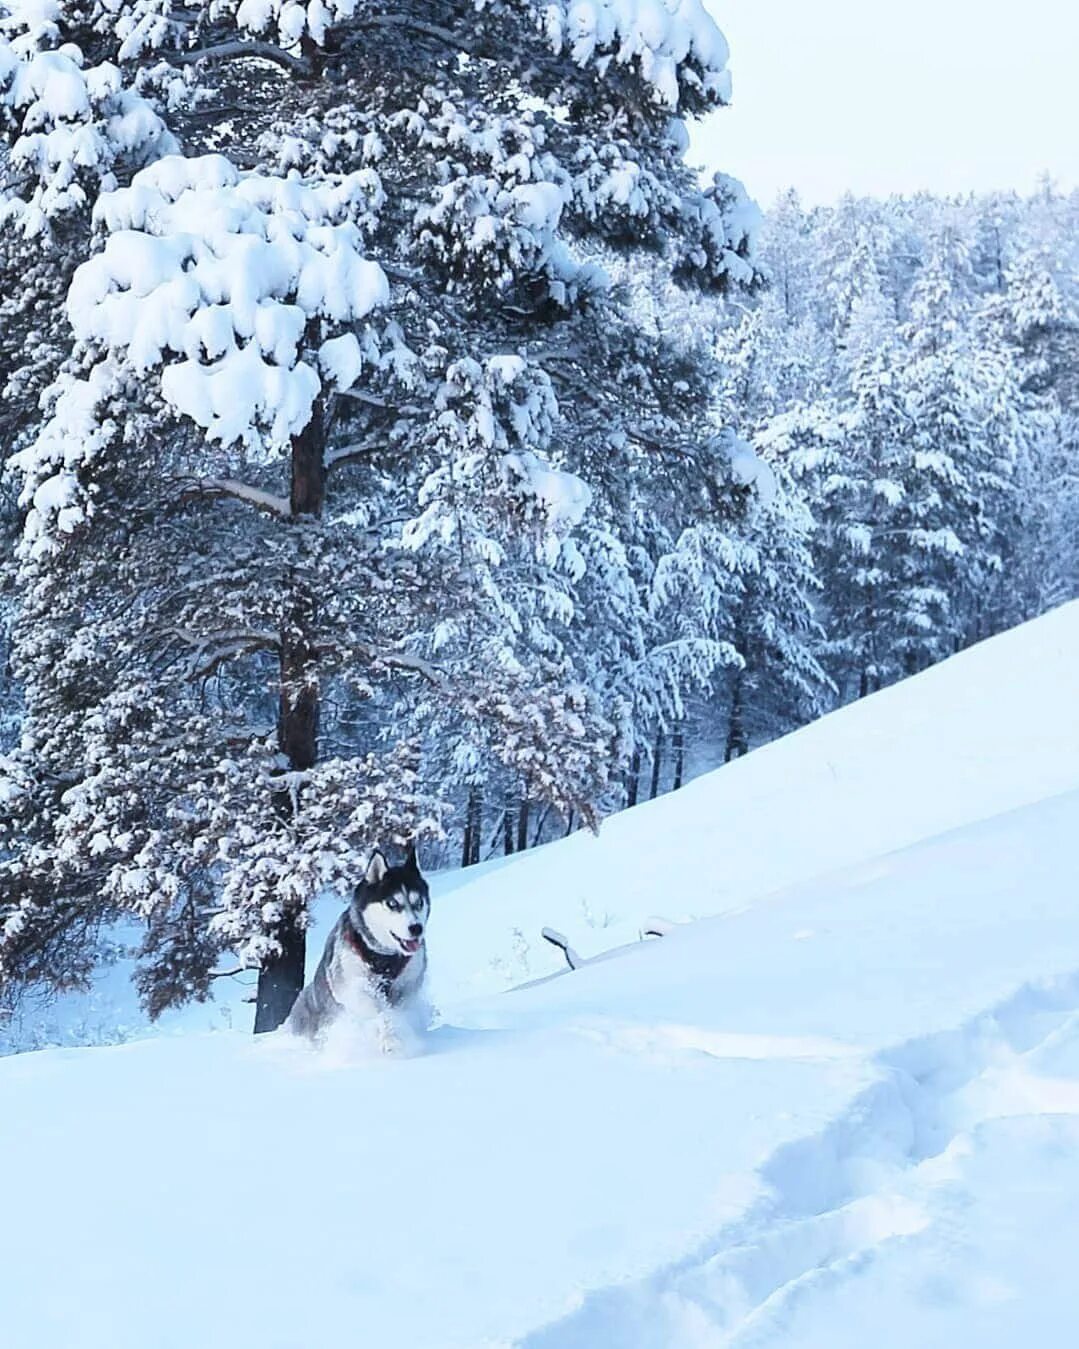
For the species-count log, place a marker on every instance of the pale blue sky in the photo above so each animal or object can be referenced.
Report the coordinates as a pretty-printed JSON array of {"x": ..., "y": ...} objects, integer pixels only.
[{"x": 880, "y": 96}]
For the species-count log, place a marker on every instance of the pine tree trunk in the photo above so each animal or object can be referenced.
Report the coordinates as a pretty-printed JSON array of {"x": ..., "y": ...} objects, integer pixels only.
[
  {"x": 522, "y": 824},
  {"x": 477, "y": 828},
  {"x": 470, "y": 848},
  {"x": 507, "y": 831},
  {"x": 537, "y": 833},
  {"x": 466, "y": 841},
  {"x": 657, "y": 765},
  {"x": 282, "y": 977},
  {"x": 679, "y": 758},
  {"x": 634, "y": 783},
  {"x": 736, "y": 733}
]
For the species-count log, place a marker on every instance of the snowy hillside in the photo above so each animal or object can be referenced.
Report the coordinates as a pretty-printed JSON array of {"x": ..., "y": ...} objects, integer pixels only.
[{"x": 840, "y": 1109}]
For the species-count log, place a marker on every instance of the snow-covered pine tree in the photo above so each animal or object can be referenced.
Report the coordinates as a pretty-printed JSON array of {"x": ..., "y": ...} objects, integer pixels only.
[
  {"x": 1037, "y": 320},
  {"x": 68, "y": 129},
  {"x": 843, "y": 446},
  {"x": 771, "y": 362},
  {"x": 963, "y": 398},
  {"x": 343, "y": 364}
]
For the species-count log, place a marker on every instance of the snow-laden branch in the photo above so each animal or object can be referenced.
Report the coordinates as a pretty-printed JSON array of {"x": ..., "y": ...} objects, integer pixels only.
[
  {"x": 393, "y": 660},
  {"x": 348, "y": 454},
  {"x": 240, "y": 491},
  {"x": 209, "y": 651},
  {"x": 230, "y": 282},
  {"x": 400, "y": 661}
]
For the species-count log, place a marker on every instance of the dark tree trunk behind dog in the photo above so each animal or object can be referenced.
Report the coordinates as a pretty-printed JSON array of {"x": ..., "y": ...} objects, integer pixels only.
[{"x": 282, "y": 977}]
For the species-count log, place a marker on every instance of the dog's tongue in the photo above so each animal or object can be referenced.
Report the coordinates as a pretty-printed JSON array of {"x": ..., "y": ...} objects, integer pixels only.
[{"x": 411, "y": 946}]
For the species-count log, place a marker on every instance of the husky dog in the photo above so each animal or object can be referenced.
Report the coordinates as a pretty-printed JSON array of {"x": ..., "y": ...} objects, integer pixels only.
[{"x": 375, "y": 958}]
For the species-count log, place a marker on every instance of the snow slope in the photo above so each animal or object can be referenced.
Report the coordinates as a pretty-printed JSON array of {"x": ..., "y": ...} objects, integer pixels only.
[
  {"x": 989, "y": 730},
  {"x": 843, "y": 1112}
]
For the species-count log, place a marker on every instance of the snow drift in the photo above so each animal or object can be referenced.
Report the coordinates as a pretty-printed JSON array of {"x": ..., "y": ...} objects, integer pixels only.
[{"x": 842, "y": 1110}]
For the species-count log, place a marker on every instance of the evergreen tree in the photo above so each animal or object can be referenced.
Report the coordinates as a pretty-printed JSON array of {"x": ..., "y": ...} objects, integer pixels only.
[{"x": 346, "y": 381}]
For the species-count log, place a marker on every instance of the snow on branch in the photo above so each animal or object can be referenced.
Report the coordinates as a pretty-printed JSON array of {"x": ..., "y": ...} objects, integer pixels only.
[
  {"x": 75, "y": 123},
  {"x": 241, "y": 491},
  {"x": 676, "y": 44},
  {"x": 573, "y": 960},
  {"x": 226, "y": 280},
  {"x": 399, "y": 660}
]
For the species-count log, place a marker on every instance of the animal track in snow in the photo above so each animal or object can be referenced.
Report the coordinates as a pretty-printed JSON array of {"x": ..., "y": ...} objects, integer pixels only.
[{"x": 838, "y": 1199}]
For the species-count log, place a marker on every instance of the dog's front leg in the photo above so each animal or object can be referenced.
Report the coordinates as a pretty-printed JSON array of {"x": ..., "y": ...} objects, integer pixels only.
[{"x": 388, "y": 1034}]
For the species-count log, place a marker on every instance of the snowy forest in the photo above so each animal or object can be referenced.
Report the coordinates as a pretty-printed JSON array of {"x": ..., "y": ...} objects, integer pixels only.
[{"x": 402, "y": 441}]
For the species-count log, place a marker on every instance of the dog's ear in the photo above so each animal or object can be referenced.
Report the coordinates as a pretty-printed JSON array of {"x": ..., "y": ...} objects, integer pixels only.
[{"x": 376, "y": 868}]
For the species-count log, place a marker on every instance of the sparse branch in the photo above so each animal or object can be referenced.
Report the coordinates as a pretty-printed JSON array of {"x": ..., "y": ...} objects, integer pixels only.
[
  {"x": 421, "y": 29},
  {"x": 240, "y": 49}
]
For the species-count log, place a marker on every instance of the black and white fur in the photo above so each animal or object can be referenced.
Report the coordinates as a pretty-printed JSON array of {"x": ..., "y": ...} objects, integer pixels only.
[{"x": 375, "y": 958}]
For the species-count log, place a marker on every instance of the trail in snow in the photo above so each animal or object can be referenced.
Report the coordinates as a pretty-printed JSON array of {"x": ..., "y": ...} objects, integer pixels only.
[{"x": 909, "y": 1151}]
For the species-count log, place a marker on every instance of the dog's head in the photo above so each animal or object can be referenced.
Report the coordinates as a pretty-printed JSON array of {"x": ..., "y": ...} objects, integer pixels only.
[{"x": 392, "y": 904}]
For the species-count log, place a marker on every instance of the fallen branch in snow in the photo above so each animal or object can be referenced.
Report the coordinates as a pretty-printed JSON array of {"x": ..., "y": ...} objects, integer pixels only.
[
  {"x": 657, "y": 927},
  {"x": 557, "y": 939}
]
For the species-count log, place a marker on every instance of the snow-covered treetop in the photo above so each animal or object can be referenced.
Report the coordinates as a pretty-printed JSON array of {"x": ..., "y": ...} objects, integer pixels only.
[
  {"x": 220, "y": 276},
  {"x": 674, "y": 45},
  {"x": 671, "y": 42}
]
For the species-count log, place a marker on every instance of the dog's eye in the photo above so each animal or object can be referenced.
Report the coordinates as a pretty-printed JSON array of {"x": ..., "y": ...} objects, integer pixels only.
[{"x": 393, "y": 905}]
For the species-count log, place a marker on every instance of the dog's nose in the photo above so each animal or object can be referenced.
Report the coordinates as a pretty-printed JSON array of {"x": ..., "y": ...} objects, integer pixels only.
[{"x": 415, "y": 929}]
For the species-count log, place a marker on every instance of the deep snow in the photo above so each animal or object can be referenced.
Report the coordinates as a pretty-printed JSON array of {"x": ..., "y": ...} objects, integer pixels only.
[{"x": 842, "y": 1112}]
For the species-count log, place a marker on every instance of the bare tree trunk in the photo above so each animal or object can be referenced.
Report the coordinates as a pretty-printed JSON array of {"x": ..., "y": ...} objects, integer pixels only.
[
  {"x": 657, "y": 765},
  {"x": 679, "y": 757},
  {"x": 282, "y": 976},
  {"x": 507, "y": 831}
]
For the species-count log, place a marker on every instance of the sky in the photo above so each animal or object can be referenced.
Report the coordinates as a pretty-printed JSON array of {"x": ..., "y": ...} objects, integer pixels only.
[{"x": 880, "y": 96}]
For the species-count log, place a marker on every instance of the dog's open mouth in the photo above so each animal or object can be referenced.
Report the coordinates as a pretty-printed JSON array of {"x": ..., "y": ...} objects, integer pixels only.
[{"x": 410, "y": 945}]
